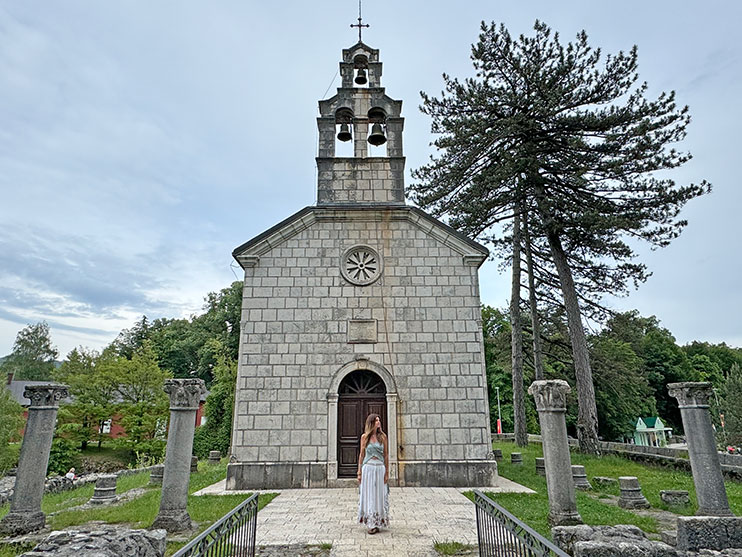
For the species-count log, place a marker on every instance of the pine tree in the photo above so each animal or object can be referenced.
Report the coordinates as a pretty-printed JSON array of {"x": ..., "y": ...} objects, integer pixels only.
[{"x": 568, "y": 140}]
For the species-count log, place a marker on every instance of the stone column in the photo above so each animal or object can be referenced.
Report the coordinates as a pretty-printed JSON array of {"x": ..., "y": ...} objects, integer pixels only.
[
  {"x": 551, "y": 403},
  {"x": 693, "y": 399},
  {"x": 332, "y": 432},
  {"x": 184, "y": 397},
  {"x": 25, "y": 508}
]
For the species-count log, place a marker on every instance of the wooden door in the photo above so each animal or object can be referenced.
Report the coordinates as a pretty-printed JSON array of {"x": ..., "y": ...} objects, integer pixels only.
[{"x": 360, "y": 394}]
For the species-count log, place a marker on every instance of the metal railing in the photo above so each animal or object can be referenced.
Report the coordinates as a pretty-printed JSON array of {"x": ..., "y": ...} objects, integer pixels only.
[
  {"x": 232, "y": 536},
  {"x": 500, "y": 534}
]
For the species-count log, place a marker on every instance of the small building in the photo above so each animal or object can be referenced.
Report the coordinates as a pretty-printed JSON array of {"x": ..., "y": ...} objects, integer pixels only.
[{"x": 651, "y": 432}]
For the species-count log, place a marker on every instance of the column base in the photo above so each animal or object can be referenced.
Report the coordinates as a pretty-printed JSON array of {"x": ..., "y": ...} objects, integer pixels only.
[
  {"x": 564, "y": 519},
  {"x": 704, "y": 511},
  {"x": 173, "y": 521},
  {"x": 18, "y": 523}
]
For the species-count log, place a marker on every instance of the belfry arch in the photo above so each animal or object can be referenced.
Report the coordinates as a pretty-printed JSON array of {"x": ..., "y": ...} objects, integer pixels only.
[{"x": 359, "y": 375}]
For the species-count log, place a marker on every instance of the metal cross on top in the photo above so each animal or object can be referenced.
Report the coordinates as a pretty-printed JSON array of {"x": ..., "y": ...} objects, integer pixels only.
[{"x": 360, "y": 23}]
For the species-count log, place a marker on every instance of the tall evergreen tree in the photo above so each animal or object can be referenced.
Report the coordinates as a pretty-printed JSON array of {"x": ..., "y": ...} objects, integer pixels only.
[{"x": 562, "y": 130}]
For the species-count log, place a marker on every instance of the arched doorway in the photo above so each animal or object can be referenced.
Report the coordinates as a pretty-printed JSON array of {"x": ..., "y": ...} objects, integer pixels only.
[{"x": 360, "y": 393}]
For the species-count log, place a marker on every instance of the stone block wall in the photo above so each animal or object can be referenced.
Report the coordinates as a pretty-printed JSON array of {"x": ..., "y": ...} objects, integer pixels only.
[
  {"x": 295, "y": 338},
  {"x": 355, "y": 180}
]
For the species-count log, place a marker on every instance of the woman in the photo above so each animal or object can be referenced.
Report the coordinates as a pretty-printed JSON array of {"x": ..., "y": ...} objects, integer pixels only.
[{"x": 373, "y": 475}]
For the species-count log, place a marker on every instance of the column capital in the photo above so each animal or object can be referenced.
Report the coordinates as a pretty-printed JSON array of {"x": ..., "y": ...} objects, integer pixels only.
[
  {"x": 46, "y": 396},
  {"x": 550, "y": 395},
  {"x": 691, "y": 394},
  {"x": 185, "y": 394}
]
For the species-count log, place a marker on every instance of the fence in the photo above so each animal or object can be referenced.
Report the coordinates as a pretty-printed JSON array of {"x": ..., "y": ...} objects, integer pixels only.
[
  {"x": 500, "y": 534},
  {"x": 233, "y": 535}
]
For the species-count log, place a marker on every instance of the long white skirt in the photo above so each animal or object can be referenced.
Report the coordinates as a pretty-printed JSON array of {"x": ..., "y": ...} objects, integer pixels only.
[{"x": 373, "y": 506}]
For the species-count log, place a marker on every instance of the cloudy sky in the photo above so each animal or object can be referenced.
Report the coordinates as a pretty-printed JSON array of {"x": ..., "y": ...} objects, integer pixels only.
[{"x": 140, "y": 142}]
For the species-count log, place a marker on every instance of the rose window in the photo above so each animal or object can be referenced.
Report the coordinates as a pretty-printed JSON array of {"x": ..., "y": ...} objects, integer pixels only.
[{"x": 361, "y": 265}]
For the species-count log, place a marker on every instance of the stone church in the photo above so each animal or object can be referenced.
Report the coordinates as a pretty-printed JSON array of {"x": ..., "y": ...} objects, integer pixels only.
[{"x": 360, "y": 304}]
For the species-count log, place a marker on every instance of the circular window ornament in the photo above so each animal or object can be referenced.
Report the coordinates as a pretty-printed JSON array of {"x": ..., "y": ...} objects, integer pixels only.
[{"x": 360, "y": 265}]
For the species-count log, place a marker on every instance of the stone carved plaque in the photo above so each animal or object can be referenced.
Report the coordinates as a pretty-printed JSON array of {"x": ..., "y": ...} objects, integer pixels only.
[{"x": 362, "y": 331}]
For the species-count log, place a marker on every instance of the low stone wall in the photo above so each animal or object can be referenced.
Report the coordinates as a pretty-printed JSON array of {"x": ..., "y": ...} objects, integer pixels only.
[
  {"x": 101, "y": 541},
  {"x": 730, "y": 464},
  {"x": 56, "y": 484}
]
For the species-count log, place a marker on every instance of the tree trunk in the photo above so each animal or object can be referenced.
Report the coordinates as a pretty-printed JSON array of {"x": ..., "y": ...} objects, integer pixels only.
[
  {"x": 587, "y": 414},
  {"x": 538, "y": 360},
  {"x": 587, "y": 411},
  {"x": 519, "y": 402}
]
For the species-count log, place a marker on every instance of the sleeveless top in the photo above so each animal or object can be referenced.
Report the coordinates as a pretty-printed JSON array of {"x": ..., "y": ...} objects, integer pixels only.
[{"x": 374, "y": 450}]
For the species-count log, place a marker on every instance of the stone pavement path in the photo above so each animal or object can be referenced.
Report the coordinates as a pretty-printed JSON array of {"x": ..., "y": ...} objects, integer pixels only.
[{"x": 420, "y": 516}]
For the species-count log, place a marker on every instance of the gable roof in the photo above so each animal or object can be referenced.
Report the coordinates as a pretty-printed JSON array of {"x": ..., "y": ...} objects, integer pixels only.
[
  {"x": 651, "y": 421},
  {"x": 16, "y": 388},
  {"x": 247, "y": 254}
]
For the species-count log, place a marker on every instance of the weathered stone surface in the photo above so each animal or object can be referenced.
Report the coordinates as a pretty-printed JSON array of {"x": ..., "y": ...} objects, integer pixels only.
[
  {"x": 497, "y": 453},
  {"x": 693, "y": 400},
  {"x": 631, "y": 494},
  {"x": 604, "y": 481},
  {"x": 516, "y": 458},
  {"x": 194, "y": 464},
  {"x": 608, "y": 541},
  {"x": 214, "y": 457},
  {"x": 709, "y": 532},
  {"x": 101, "y": 541},
  {"x": 675, "y": 497},
  {"x": 551, "y": 399}
]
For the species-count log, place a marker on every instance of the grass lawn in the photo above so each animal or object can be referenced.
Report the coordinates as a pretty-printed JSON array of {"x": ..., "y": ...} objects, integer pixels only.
[
  {"x": 139, "y": 512},
  {"x": 533, "y": 509}
]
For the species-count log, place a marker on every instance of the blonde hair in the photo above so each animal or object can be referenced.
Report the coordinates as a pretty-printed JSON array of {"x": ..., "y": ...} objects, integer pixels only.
[{"x": 369, "y": 430}]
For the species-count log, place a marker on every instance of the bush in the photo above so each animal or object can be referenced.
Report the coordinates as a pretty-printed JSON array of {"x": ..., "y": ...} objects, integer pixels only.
[
  {"x": 9, "y": 456},
  {"x": 63, "y": 456}
]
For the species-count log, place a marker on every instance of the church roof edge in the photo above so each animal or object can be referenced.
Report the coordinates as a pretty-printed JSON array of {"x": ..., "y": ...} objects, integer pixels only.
[{"x": 365, "y": 207}]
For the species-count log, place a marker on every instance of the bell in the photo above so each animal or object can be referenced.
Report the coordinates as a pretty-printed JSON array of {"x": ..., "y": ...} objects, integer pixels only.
[
  {"x": 344, "y": 133},
  {"x": 377, "y": 136},
  {"x": 361, "y": 77}
]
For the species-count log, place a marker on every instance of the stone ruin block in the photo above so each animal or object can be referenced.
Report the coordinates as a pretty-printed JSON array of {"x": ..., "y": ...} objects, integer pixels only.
[
  {"x": 540, "y": 467},
  {"x": 608, "y": 541},
  {"x": 631, "y": 494},
  {"x": 579, "y": 477},
  {"x": 677, "y": 497},
  {"x": 105, "y": 490},
  {"x": 215, "y": 457},
  {"x": 604, "y": 481},
  {"x": 101, "y": 540},
  {"x": 516, "y": 458},
  {"x": 709, "y": 532}
]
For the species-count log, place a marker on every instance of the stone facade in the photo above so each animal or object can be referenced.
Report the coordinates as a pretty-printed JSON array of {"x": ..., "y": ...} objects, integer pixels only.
[{"x": 412, "y": 319}]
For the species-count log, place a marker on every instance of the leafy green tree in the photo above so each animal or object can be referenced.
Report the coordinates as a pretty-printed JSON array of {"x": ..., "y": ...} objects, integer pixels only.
[
  {"x": 622, "y": 392},
  {"x": 33, "y": 354},
  {"x": 93, "y": 397},
  {"x": 216, "y": 433},
  {"x": 140, "y": 399},
  {"x": 11, "y": 422},
  {"x": 732, "y": 409},
  {"x": 552, "y": 131}
]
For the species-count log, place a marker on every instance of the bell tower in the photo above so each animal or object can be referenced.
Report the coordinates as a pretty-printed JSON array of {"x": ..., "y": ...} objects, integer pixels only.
[{"x": 360, "y": 112}]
